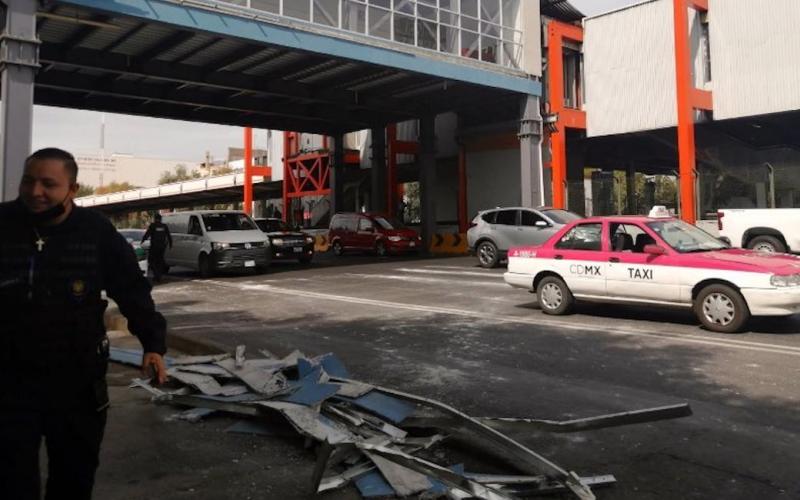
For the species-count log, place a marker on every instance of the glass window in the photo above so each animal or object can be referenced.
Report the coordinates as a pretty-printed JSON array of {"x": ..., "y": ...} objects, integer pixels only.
[
  {"x": 561, "y": 216},
  {"x": 469, "y": 7},
  {"x": 426, "y": 34},
  {"x": 469, "y": 44},
  {"x": 194, "y": 226},
  {"x": 490, "y": 49},
  {"x": 448, "y": 39},
  {"x": 387, "y": 223},
  {"x": 624, "y": 237},
  {"x": 528, "y": 218},
  {"x": 685, "y": 238},
  {"x": 510, "y": 12},
  {"x": 490, "y": 10},
  {"x": 404, "y": 29},
  {"x": 228, "y": 222},
  {"x": 507, "y": 217},
  {"x": 448, "y": 4},
  {"x": 379, "y": 23},
  {"x": 365, "y": 224},
  {"x": 582, "y": 237},
  {"x": 299, "y": 9},
  {"x": 354, "y": 16},
  {"x": 469, "y": 24},
  {"x": 404, "y": 6},
  {"x": 381, "y": 3},
  {"x": 489, "y": 217},
  {"x": 426, "y": 12},
  {"x": 448, "y": 18},
  {"x": 273, "y": 6},
  {"x": 326, "y": 12}
]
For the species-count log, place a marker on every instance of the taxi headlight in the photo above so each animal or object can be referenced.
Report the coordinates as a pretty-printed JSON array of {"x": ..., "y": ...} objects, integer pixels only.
[
  {"x": 309, "y": 239},
  {"x": 784, "y": 281},
  {"x": 220, "y": 246},
  {"x": 395, "y": 238},
  {"x": 277, "y": 242}
]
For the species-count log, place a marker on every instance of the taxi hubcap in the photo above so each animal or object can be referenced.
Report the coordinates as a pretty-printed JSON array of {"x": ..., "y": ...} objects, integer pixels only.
[
  {"x": 487, "y": 254},
  {"x": 551, "y": 296},
  {"x": 719, "y": 309}
]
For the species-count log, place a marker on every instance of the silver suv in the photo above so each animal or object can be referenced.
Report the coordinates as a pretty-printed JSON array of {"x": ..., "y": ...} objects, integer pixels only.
[{"x": 493, "y": 232}]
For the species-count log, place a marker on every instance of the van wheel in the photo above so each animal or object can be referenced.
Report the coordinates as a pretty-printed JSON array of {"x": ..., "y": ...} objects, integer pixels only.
[
  {"x": 766, "y": 244},
  {"x": 554, "y": 296},
  {"x": 487, "y": 254},
  {"x": 380, "y": 249},
  {"x": 204, "y": 266},
  {"x": 722, "y": 309},
  {"x": 337, "y": 248}
]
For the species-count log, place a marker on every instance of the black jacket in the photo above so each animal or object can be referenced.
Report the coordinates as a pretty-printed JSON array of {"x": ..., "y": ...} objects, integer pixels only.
[
  {"x": 159, "y": 236},
  {"x": 52, "y": 348}
]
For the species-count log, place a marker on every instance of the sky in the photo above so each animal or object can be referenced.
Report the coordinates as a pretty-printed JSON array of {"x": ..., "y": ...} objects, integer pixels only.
[{"x": 80, "y": 131}]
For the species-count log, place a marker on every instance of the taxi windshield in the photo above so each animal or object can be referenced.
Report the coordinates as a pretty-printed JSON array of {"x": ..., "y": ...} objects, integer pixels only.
[
  {"x": 685, "y": 238},
  {"x": 228, "y": 222}
]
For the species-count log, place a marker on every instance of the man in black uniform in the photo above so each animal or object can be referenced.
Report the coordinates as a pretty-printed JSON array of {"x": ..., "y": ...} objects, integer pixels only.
[
  {"x": 159, "y": 236},
  {"x": 55, "y": 260}
]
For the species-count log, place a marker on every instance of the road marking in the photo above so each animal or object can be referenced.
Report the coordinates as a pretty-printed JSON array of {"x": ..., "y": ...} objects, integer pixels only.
[
  {"x": 418, "y": 279},
  {"x": 535, "y": 321},
  {"x": 451, "y": 273}
]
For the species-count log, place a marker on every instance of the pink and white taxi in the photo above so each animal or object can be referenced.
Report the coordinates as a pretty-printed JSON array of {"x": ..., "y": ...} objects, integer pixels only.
[{"x": 656, "y": 260}]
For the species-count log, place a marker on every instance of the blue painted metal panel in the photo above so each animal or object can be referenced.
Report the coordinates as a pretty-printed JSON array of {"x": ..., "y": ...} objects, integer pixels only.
[
  {"x": 259, "y": 31},
  {"x": 393, "y": 409},
  {"x": 372, "y": 485}
]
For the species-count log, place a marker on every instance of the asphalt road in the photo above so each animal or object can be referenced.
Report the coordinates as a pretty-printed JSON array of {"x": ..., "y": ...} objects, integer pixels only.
[{"x": 446, "y": 329}]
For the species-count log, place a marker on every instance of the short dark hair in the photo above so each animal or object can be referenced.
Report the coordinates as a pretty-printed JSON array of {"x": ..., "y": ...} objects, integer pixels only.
[
  {"x": 56, "y": 154},
  {"x": 157, "y": 217}
]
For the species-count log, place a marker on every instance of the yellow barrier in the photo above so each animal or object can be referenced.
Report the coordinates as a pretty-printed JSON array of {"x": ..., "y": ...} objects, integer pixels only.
[
  {"x": 449, "y": 243},
  {"x": 321, "y": 243}
]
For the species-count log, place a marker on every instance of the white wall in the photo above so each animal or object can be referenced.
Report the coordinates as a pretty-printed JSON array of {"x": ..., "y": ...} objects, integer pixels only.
[
  {"x": 493, "y": 179},
  {"x": 755, "y": 63}
]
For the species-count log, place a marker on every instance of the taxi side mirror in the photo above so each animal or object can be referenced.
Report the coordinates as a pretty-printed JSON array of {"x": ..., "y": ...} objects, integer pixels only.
[{"x": 654, "y": 250}]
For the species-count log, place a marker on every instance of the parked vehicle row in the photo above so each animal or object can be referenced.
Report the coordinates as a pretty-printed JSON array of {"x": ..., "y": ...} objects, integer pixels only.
[
  {"x": 774, "y": 230},
  {"x": 370, "y": 232}
]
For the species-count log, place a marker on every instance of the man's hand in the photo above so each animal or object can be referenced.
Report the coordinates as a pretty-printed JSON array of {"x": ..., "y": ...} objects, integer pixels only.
[{"x": 154, "y": 362}]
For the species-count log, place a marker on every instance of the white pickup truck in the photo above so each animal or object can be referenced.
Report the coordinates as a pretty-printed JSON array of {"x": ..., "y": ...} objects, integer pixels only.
[{"x": 762, "y": 229}]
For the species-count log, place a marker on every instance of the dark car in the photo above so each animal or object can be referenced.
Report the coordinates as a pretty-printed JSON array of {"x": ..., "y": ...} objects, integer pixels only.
[
  {"x": 287, "y": 244},
  {"x": 371, "y": 233}
]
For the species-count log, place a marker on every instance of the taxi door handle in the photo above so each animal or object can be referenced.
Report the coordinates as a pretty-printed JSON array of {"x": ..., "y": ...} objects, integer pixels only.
[{"x": 614, "y": 259}]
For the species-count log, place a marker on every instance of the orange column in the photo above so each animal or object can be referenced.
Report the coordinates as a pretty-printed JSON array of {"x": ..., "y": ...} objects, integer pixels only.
[
  {"x": 248, "y": 170},
  {"x": 558, "y": 140},
  {"x": 463, "y": 223},
  {"x": 684, "y": 86}
]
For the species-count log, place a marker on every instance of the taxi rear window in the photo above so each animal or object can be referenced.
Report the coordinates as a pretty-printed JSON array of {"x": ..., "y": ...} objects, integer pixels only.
[{"x": 582, "y": 237}]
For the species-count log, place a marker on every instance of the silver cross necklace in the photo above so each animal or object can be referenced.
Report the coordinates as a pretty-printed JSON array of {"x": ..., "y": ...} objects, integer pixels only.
[{"x": 39, "y": 242}]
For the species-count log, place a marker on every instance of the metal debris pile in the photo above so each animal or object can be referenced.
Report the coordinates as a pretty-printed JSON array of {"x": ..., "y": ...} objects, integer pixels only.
[{"x": 378, "y": 438}]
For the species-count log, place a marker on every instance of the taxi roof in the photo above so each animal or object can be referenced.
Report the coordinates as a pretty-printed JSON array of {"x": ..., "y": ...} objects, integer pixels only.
[{"x": 626, "y": 218}]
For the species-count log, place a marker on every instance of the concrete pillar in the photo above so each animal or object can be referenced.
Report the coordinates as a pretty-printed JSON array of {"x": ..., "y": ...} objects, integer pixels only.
[
  {"x": 630, "y": 185},
  {"x": 530, "y": 143},
  {"x": 337, "y": 174},
  {"x": 378, "y": 170},
  {"x": 576, "y": 190},
  {"x": 427, "y": 178},
  {"x": 19, "y": 60}
]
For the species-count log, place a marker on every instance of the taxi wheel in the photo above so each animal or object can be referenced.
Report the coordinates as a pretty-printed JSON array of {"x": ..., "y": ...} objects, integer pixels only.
[
  {"x": 722, "y": 309},
  {"x": 554, "y": 296},
  {"x": 766, "y": 244},
  {"x": 487, "y": 254},
  {"x": 337, "y": 248}
]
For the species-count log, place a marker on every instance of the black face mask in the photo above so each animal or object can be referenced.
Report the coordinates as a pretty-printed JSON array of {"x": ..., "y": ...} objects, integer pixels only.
[{"x": 39, "y": 218}]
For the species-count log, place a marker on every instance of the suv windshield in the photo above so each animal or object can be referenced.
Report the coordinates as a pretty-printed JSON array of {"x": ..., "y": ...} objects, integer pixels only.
[
  {"x": 228, "y": 222},
  {"x": 685, "y": 238},
  {"x": 561, "y": 216},
  {"x": 388, "y": 223},
  {"x": 272, "y": 226}
]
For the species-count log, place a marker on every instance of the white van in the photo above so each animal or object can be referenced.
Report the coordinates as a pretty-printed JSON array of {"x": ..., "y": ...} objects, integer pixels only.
[{"x": 211, "y": 240}]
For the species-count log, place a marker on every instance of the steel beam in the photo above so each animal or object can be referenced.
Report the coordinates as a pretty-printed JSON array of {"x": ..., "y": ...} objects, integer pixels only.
[
  {"x": 336, "y": 174},
  {"x": 530, "y": 144},
  {"x": 427, "y": 178},
  {"x": 18, "y": 64},
  {"x": 378, "y": 170}
]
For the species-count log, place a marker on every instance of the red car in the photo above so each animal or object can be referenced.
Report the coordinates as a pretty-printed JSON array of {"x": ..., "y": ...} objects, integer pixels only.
[{"x": 371, "y": 233}]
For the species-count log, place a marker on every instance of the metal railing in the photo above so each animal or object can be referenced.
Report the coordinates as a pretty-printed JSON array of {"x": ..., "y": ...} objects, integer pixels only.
[{"x": 485, "y": 30}]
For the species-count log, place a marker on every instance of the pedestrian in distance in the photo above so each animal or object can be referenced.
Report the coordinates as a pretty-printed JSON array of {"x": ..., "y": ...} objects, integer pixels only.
[
  {"x": 160, "y": 239},
  {"x": 56, "y": 260}
]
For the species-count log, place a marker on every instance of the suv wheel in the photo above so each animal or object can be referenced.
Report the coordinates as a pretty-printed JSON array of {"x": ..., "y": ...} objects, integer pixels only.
[
  {"x": 554, "y": 296},
  {"x": 722, "y": 309},
  {"x": 337, "y": 248},
  {"x": 487, "y": 254},
  {"x": 766, "y": 244},
  {"x": 380, "y": 249},
  {"x": 204, "y": 266}
]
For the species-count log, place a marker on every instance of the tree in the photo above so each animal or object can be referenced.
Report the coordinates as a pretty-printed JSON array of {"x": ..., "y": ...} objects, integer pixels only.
[
  {"x": 181, "y": 174},
  {"x": 115, "y": 187},
  {"x": 85, "y": 190}
]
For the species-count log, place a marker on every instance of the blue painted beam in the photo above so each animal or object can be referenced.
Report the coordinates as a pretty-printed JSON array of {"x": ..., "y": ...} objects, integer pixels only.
[{"x": 194, "y": 18}]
